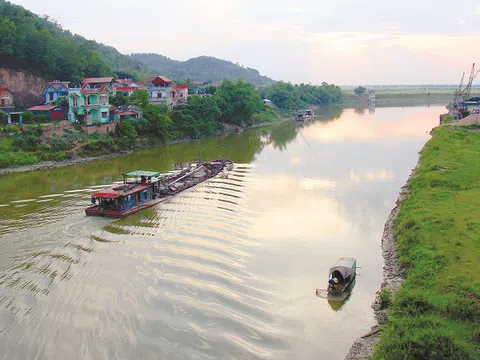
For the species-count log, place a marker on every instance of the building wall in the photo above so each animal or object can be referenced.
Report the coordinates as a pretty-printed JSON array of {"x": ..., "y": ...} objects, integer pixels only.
[
  {"x": 95, "y": 111},
  {"x": 101, "y": 129}
]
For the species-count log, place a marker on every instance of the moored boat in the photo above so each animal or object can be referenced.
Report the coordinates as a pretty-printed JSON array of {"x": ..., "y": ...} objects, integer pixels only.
[
  {"x": 341, "y": 280},
  {"x": 304, "y": 115},
  {"x": 142, "y": 189}
]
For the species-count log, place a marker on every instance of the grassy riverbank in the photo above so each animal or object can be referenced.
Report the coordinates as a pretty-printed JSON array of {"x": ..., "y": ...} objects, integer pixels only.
[{"x": 436, "y": 313}]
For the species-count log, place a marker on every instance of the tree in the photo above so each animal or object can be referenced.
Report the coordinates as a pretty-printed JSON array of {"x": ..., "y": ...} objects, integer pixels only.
[
  {"x": 237, "y": 102},
  {"x": 3, "y": 117},
  {"x": 139, "y": 98},
  {"x": 210, "y": 90},
  {"x": 159, "y": 120},
  {"x": 119, "y": 99},
  {"x": 360, "y": 90},
  {"x": 125, "y": 130}
]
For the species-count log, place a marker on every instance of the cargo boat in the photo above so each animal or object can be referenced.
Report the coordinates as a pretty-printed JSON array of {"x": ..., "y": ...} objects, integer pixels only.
[{"x": 142, "y": 189}]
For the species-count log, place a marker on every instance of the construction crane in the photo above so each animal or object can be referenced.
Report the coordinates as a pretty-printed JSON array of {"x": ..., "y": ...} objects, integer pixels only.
[
  {"x": 458, "y": 92},
  {"x": 468, "y": 89}
]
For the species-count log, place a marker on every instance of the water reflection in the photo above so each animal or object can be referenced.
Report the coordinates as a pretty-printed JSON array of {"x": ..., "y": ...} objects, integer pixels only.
[{"x": 226, "y": 269}]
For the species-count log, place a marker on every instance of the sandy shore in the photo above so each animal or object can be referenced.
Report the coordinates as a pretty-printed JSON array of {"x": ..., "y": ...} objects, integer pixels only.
[
  {"x": 393, "y": 276},
  {"x": 46, "y": 165}
]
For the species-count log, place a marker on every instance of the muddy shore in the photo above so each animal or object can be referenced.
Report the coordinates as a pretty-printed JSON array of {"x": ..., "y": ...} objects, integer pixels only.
[
  {"x": 393, "y": 277},
  {"x": 46, "y": 165}
]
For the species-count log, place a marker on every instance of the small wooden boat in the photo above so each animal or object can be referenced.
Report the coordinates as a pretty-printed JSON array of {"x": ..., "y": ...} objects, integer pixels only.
[
  {"x": 304, "y": 115},
  {"x": 341, "y": 277},
  {"x": 142, "y": 189}
]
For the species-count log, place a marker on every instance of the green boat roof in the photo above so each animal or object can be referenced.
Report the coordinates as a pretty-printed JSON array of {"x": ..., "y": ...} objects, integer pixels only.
[{"x": 138, "y": 173}]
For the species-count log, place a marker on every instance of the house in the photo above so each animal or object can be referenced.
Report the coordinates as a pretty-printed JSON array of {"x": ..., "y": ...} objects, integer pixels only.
[
  {"x": 53, "y": 112},
  {"x": 128, "y": 111},
  {"x": 180, "y": 95},
  {"x": 126, "y": 90},
  {"x": 160, "y": 90},
  {"x": 90, "y": 103},
  {"x": 55, "y": 89},
  {"x": 6, "y": 98}
]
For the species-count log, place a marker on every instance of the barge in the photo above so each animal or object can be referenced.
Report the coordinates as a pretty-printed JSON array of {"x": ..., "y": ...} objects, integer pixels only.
[{"x": 143, "y": 189}]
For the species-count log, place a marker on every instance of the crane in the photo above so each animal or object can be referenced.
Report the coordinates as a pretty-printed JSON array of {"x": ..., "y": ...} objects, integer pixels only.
[
  {"x": 458, "y": 92},
  {"x": 468, "y": 89}
]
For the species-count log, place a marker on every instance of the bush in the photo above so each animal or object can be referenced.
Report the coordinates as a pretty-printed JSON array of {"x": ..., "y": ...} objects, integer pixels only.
[
  {"x": 17, "y": 158},
  {"x": 3, "y": 117}
]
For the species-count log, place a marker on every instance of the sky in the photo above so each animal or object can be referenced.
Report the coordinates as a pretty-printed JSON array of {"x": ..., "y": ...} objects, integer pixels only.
[{"x": 346, "y": 42}]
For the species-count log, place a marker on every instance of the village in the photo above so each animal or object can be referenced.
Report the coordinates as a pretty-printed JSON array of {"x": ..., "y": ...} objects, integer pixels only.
[{"x": 89, "y": 103}]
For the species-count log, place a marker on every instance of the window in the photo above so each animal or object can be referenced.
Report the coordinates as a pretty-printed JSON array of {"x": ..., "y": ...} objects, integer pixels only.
[
  {"x": 103, "y": 99},
  {"x": 87, "y": 100},
  {"x": 104, "y": 114},
  {"x": 50, "y": 96},
  {"x": 74, "y": 101}
]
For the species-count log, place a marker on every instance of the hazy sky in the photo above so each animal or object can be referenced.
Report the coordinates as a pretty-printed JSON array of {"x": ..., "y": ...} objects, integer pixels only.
[{"x": 341, "y": 42}]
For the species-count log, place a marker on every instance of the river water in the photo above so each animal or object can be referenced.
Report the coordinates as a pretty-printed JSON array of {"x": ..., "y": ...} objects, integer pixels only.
[{"x": 226, "y": 270}]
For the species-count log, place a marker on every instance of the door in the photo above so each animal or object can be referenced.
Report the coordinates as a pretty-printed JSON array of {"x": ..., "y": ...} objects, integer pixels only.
[{"x": 50, "y": 96}]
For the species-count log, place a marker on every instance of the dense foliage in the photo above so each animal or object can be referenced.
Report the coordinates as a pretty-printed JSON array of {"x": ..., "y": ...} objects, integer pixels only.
[
  {"x": 360, "y": 90},
  {"x": 203, "y": 68},
  {"x": 436, "y": 313},
  {"x": 289, "y": 96},
  {"x": 40, "y": 45}
]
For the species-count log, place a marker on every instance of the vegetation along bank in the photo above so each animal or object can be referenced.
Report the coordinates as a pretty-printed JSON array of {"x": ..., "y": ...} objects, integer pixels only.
[{"x": 436, "y": 312}]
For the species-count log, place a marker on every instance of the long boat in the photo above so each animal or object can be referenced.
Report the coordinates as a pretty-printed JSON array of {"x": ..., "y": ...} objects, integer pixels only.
[{"x": 142, "y": 189}]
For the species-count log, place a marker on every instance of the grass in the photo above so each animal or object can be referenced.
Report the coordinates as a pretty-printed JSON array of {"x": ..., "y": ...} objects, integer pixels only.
[{"x": 436, "y": 313}]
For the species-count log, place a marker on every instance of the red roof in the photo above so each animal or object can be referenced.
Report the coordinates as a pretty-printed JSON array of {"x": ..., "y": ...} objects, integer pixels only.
[
  {"x": 126, "y": 88},
  {"x": 158, "y": 79},
  {"x": 97, "y": 80},
  {"x": 57, "y": 85},
  {"x": 112, "y": 194},
  {"x": 125, "y": 81},
  {"x": 197, "y": 83},
  {"x": 3, "y": 89},
  {"x": 180, "y": 86},
  {"x": 127, "y": 112},
  {"x": 42, "y": 108}
]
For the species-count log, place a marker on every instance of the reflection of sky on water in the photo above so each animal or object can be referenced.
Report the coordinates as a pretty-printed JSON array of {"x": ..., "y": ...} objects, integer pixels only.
[{"x": 327, "y": 194}]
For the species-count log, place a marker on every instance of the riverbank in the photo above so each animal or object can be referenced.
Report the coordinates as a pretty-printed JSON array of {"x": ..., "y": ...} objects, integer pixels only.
[
  {"x": 432, "y": 235},
  {"x": 46, "y": 165}
]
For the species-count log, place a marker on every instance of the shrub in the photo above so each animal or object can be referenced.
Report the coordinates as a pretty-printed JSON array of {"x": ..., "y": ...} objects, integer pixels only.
[{"x": 3, "y": 117}]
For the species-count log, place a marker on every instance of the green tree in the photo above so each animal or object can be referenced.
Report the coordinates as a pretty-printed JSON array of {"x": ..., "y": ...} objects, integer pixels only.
[
  {"x": 3, "y": 117},
  {"x": 237, "y": 102},
  {"x": 210, "y": 90},
  {"x": 119, "y": 99},
  {"x": 139, "y": 98},
  {"x": 127, "y": 134},
  {"x": 360, "y": 90},
  {"x": 159, "y": 119}
]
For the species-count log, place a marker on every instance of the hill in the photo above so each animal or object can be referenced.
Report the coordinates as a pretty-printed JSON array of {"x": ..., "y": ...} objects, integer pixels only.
[
  {"x": 202, "y": 68},
  {"x": 41, "y": 46}
]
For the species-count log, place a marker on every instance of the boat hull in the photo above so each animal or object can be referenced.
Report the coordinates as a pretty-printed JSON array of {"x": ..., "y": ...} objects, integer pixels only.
[{"x": 96, "y": 211}]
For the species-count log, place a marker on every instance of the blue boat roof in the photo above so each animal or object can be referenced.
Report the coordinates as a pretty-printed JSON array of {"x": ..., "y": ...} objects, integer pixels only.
[{"x": 138, "y": 173}]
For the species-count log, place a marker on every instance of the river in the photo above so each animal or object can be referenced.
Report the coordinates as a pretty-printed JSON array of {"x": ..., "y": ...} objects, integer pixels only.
[{"x": 226, "y": 270}]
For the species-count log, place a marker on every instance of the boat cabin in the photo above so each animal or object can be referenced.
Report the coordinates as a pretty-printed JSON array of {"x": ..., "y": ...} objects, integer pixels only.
[
  {"x": 138, "y": 188},
  {"x": 343, "y": 273}
]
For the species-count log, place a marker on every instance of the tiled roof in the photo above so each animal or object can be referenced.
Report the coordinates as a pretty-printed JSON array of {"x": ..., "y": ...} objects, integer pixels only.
[
  {"x": 42, "y": 108},
  {"x": 3, "y": 89},
  {"x": 97, "y": 80},
  {"x": 180, "y": 86},
  {"x": 126, "y": 88},
  {"x": 162, "y": 78}
]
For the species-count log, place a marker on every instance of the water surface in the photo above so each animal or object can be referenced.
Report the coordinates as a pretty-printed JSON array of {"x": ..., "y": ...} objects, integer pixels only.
[{"x": 226, "y": 270}]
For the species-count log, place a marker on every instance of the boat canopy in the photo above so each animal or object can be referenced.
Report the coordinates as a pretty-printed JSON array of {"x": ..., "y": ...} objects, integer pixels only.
[
  {"x": 346, "y": 266},
  {"x": 113, "y": 194},
  {"x": 138, "y": 173}
]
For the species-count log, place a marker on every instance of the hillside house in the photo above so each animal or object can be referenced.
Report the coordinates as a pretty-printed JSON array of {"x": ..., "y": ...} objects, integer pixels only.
[
  {"x": 90, "y": 103},
  {"x": 126, "y": 90},
  {"x": 6, "y": 98},
  {"x": 54, "y": 90},
  {"x": 180, "y": 95},
  {"x": 160, "y": 90}
]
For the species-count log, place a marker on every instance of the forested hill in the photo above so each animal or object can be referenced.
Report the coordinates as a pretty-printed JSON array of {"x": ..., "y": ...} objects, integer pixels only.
[
  {"x": 203, "y": 68},
  {"x": 41, "y": 46}
]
